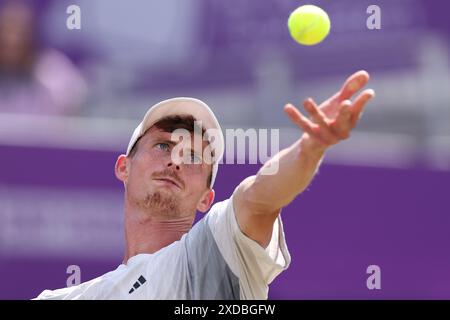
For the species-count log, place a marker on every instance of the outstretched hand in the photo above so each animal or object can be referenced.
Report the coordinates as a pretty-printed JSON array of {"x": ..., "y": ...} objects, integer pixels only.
[{"x": 336, "y": 117}]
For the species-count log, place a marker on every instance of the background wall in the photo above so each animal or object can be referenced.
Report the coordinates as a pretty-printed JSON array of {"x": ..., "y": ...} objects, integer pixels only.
[{"x": 380, "y": 198}]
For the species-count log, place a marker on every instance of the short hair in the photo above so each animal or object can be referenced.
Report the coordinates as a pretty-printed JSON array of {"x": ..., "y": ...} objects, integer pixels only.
[{"x": 170, "y": 124}]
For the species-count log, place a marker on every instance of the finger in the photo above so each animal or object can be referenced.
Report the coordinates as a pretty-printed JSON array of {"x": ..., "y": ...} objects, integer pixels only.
[
  {"x": 321, "y": 119},
  {"x": 316, "y": 114},
  {"x": 353, "y": 84},
  {"x": 309, "y": 127},
  {"x": 358, "y": 105},
  {"x": 342, "y": 125},
  {"x": 299, "y": 119}
]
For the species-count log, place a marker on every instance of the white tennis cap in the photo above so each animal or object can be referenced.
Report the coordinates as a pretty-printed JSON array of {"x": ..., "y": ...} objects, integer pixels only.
[{"x": 185, "y": 106}]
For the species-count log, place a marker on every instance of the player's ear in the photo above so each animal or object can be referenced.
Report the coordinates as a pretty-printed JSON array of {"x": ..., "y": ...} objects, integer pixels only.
[
  {"x": 206, "y": 200},
  {"x": 121, "y": 168}
]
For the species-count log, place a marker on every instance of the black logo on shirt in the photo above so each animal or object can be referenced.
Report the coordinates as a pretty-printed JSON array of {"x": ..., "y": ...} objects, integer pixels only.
[{"x": 137, "y": 284}]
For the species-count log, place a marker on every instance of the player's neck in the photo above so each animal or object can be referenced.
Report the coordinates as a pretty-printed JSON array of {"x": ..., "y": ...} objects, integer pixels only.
[{"x": 144, "y": 234}]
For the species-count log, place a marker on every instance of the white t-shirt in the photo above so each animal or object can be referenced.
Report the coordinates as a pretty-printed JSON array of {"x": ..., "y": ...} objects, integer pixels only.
[{"x": 214, "y": 260}]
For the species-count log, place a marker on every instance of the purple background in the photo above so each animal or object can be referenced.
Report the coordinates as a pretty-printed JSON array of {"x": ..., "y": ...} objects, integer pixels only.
[
  {"x": 348, "y": 219},
  {"x": 61, "y": 205}
]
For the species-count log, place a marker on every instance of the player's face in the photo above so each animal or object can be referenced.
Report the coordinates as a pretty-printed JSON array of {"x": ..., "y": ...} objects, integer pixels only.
[{"x": 159, "y": 181}]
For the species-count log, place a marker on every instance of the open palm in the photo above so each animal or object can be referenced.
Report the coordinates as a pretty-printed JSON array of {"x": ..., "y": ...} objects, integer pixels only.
[{"x": 334, "y": 119}]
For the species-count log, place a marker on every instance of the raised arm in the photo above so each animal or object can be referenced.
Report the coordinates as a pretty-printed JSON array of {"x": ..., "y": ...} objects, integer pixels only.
[{"x": 259, "y": 198}]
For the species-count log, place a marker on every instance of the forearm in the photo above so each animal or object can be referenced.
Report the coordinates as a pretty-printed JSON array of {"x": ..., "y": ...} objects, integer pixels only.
[{"x": 297, "y": 166}]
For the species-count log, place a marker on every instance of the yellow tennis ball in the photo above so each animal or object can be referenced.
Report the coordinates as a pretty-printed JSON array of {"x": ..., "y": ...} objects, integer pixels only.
[{"x": 309, "y": 25}]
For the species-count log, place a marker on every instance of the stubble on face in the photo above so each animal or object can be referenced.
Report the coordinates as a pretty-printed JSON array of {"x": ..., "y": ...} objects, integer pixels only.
[
  {"x": 163, "y": 202},
  {"x": 158, "y": 203}
]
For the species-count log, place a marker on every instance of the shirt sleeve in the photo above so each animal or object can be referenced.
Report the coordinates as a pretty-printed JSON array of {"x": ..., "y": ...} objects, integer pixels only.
[{"x": 255, "y": 266}]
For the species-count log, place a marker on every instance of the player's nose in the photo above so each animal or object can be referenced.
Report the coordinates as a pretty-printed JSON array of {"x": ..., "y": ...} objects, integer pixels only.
[
  {"x": 171, "y": 164},
  {"x": 174, "y": 161}
]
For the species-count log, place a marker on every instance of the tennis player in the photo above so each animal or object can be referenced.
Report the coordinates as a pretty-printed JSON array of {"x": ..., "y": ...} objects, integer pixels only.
[{"x": 238, "y": 248}]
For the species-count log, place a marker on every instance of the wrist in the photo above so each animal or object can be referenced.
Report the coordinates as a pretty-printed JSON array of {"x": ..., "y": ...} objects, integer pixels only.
[{"x": 311, "y": 147}]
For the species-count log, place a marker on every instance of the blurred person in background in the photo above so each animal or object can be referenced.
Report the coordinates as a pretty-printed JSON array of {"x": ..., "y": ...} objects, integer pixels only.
[{"x": 34, "y": 80}]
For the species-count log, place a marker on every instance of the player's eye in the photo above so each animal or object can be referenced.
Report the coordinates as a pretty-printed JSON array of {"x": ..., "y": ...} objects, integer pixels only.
[{"x": 163, "y": 146}]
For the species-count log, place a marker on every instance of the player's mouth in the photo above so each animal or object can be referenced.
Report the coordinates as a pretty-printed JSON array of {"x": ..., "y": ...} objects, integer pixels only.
[{"x": 169, "y": 182}]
